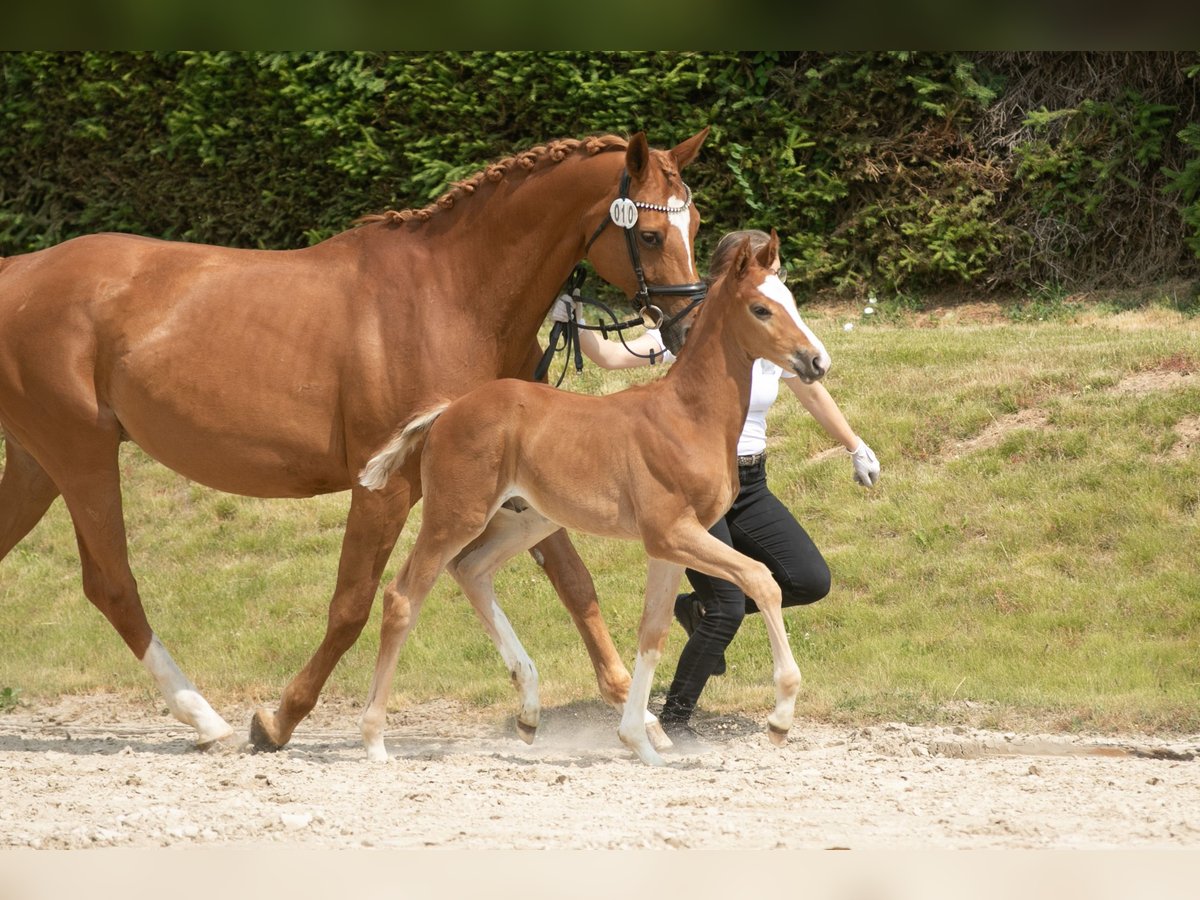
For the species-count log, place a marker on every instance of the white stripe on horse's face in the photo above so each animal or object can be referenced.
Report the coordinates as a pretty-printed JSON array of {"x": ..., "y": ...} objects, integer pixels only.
[
  {"x": 683, "y": 221},
  {"x": 776, "y": 290}
]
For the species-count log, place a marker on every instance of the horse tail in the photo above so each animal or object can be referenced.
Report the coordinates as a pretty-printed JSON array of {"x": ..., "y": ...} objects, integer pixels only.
[{"x": 375, "y": 473}]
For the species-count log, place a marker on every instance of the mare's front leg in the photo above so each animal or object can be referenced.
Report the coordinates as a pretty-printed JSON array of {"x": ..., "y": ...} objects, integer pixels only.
[
  {"x": 372, "y": 527},
  {"x": 662, "y": 581},
  {"x": 574, "y": 586},
  {"x": 573, "y": 583}
]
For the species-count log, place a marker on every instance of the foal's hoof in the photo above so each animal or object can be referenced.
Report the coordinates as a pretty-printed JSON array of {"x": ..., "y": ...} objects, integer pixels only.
[
  {"x": 777, "y": 735},
  {"x": 264, "y": 735},
  {"x": 658, "y": 738},
  {"x": 526, "y": 732},
  {"x": 228, "y": 745}
]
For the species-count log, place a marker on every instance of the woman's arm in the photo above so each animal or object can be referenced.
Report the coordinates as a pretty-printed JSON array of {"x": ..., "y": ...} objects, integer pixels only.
[
  {"x": 613, "y": 355},
  {"x": 816, "y": 399},
  {"x": 822, "y": 407}
]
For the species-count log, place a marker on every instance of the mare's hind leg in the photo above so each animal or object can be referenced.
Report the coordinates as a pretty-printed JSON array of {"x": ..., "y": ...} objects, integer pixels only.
[
  {"x": 26, "y": 492},
  {"x": 507, "y": 534},
  {"x": 90, "y": 484},
  {"x": 372, "y": 527}
]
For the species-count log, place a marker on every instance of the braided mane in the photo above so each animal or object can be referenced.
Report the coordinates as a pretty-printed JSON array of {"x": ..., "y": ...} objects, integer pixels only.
[{"x": 526, "y": 161}]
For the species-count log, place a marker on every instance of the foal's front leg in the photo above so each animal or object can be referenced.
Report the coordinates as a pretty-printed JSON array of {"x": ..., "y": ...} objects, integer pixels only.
[
  {"x": 662, "y": 581},
  {"x": 699, "y": 550}
]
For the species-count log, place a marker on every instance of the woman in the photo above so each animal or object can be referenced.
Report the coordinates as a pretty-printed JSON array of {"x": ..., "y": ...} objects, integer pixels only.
[{"x": 757, "y": 524}]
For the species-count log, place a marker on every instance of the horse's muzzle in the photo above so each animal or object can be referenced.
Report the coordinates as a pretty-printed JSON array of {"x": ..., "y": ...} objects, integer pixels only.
[{"x": 810, "y": 366}]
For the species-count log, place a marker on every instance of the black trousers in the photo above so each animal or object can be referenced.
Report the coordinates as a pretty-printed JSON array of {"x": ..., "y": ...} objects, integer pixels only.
[{"x": 761, "y": 527}]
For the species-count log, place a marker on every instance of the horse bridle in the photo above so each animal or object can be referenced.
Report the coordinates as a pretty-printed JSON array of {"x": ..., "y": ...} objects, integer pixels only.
[{"x": 622, "y": 212}]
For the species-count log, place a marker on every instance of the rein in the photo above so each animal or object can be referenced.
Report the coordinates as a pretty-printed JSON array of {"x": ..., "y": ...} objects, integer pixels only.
[{"x": 622, "y": 212}]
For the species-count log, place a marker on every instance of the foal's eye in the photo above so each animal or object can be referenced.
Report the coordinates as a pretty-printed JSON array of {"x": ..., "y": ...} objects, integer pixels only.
[
  {"x": 761, "y": 311},
  {"x": 651, "y": 238}
]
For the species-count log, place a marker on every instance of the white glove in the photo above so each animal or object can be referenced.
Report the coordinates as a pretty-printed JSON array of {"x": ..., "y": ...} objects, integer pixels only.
[
  {"x": 866, "y": 466},
  {"x": 563, "y": 308}
]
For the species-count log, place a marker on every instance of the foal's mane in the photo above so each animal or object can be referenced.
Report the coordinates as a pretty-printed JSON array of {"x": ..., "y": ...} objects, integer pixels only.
[{"x": 521, "y": 163}]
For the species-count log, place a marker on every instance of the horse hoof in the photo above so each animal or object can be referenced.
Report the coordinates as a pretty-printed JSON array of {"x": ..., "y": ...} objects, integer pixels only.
[
  {"x": 658, "y": 738},
  {"x": 263, "y": 735},
  {"x": 228, "y": 745},
  {"x": 777, "y": 735},
  {"x": 526, "y": 732}
]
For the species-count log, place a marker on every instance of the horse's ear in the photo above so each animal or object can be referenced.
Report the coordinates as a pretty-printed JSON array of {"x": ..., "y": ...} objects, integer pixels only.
[
  {"x": 637, "y": 156},
  {"x": 685, "y": 152},
  {"x": 768, "y": 251},
  {"x": 741, "y": 261}
]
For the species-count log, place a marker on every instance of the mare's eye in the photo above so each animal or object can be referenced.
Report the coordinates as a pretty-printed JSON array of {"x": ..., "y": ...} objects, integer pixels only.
[
  {"x": 761, "y": 311},
  {"x": 651, "y": 238}
]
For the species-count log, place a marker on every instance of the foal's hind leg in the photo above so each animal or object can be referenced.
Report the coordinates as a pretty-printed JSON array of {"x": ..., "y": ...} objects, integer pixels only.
[
  {"x": 372, "y": 527},
  {"x": 26, "y": 492},
  {"x": 90, "y": 483},
  {"x": 507, "y": 534},
  {"x": 402, "y": 600},
  {"x": 662, "y": 581}
]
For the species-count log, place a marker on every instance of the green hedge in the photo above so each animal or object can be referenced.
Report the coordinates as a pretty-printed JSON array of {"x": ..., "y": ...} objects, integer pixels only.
[{"x": 894, "y": 172}]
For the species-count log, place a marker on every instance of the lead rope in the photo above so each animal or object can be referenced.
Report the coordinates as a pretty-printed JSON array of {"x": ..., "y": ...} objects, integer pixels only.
[{"x": 565, "y": 335}]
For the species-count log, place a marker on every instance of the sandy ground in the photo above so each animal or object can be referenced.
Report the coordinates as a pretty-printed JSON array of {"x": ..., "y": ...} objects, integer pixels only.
[{"x": 107, "y": 772}]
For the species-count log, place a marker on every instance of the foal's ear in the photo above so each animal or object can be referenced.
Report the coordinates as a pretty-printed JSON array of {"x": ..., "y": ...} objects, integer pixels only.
[
  {"x": 768, "y": 251},
  {"x": 637, "y": 156},
  {"x": 685, "y": 152},
  {"x": 741, "y": 260}
]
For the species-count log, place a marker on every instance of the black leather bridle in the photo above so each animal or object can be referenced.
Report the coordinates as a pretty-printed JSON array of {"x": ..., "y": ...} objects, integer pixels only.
[{"x": 623, "y": 212}]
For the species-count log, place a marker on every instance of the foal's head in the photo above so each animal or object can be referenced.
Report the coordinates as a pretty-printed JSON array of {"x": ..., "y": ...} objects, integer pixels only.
[
  {"x": 654, "y": 229},
  {"x": 761, "y": 316}
]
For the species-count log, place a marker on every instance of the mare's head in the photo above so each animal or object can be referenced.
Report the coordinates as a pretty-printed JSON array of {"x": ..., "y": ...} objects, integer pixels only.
[
  {"x": 758, "y": 311},
  {"x": 648, "y": 254}
]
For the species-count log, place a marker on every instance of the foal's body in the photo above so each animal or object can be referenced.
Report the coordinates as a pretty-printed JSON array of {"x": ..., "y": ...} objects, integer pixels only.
[
  {"x": 655, "y": 463},
  {"x": 278, "y": 373}
]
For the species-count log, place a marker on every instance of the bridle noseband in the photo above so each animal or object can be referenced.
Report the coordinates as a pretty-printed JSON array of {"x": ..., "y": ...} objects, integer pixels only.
[{"x": 623, "y": 212}]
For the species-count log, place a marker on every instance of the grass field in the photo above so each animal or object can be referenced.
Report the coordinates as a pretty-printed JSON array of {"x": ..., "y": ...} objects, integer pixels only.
[{"x": 1029, "y": 558}]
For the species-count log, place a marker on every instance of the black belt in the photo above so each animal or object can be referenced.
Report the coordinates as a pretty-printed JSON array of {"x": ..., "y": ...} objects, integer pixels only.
[{"x": 752, "y": 460}]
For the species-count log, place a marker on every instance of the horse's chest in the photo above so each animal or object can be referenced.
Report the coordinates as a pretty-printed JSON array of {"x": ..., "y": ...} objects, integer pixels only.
[{"x": 714, "y": 501}]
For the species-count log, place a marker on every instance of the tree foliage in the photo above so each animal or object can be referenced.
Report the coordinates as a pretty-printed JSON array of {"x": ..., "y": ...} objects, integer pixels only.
[{"x": 883, "y": 171}]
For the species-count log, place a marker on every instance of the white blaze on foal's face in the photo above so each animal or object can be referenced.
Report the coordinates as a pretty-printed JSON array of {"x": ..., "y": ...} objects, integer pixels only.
[{"x": 774, "y": 289}]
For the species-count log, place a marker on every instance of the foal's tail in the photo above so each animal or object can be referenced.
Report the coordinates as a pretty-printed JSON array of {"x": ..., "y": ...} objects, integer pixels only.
[{"x": 375, "y": 473}]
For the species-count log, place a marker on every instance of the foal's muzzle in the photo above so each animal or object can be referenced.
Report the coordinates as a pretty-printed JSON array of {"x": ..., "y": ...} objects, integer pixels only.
[{"x": 810, "y": 365}]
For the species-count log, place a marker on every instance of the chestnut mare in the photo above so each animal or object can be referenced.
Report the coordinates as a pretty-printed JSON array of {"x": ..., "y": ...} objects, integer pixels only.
[
  {"x": 278, "y": 373},
  {"x": 654, "y": 463}
]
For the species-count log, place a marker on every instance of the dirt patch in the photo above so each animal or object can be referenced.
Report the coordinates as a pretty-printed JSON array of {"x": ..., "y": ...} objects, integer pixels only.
[
  {"x": 1155, "y": 381},
  {"x": 102, "y": 772},
  {"x": 994, "y": 433},
  {"x": 1188, "y": 433},
  {"x": 1174, "y": 373}
]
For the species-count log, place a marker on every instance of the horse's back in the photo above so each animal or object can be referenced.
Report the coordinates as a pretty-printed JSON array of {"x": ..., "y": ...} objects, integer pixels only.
[{"x": 222, "y": 363}]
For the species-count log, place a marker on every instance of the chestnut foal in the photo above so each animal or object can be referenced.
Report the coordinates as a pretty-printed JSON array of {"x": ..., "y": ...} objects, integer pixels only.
[{"x": 654, "y": 463}]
